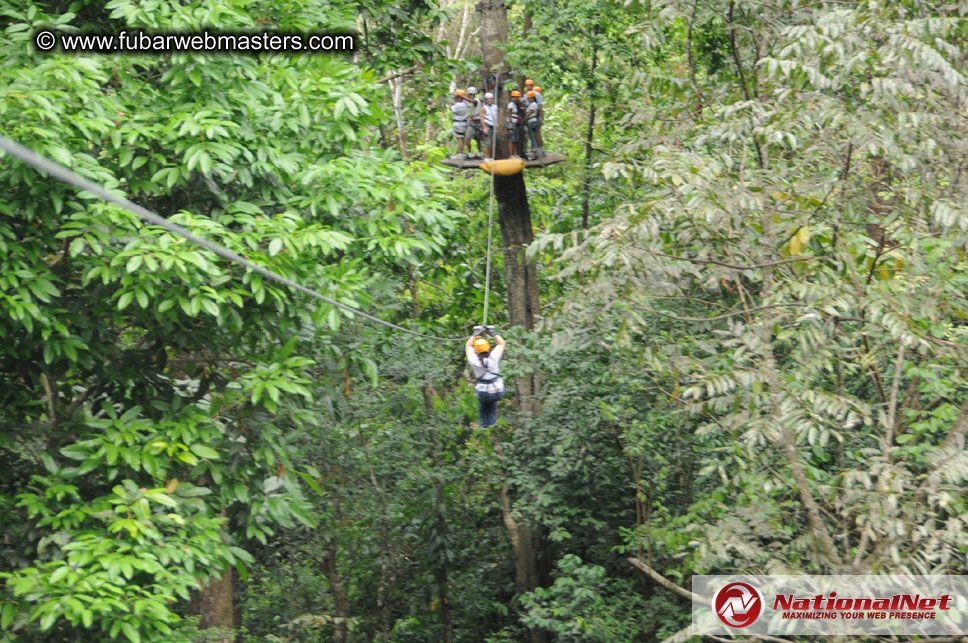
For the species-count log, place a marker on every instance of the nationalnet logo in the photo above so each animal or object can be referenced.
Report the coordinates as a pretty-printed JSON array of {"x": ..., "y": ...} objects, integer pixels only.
[
  {"x": 738, "y": 604},
  {"x": 829, "y": 605}
]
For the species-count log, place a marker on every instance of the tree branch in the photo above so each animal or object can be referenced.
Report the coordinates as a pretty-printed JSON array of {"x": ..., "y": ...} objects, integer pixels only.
[
  {"x": 760, "y": 161},
  {"x": 398, "y": 74},
  {"x": 52, "y": 413},
  {"x": 723, "y": 316},
  {"x": 842, "y": 178},
  {"x": 665, "y": 582},
  {"x": 759, "y": 637},
  {"x": 734, "y": 266},
  {"x": 80, "y": 400},
  {"x": 892, "y": 402}
]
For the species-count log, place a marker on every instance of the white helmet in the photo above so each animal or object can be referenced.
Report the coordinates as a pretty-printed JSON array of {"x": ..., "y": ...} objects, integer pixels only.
[
  {"x": 488, "y": 95},
  {"x": 472, "y": 90}
]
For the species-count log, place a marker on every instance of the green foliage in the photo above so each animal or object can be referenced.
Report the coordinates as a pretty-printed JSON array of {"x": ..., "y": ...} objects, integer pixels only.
[
  {"x": 583, "y": 605},
  {"x": 806, "y": 213}
]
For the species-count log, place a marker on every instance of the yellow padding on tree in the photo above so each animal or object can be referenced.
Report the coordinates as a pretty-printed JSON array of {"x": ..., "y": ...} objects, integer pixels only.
[{"x": 504, "y": 167}]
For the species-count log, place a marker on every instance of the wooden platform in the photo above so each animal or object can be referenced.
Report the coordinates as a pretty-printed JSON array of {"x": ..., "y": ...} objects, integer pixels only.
[{"x": 473, "y": 164}]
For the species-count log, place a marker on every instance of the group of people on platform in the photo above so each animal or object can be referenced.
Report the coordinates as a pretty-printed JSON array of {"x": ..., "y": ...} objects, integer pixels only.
[{"x": 475, "y": 120}]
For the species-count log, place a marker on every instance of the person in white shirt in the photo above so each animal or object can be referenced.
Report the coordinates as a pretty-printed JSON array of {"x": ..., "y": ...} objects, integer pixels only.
[
  {"x": 515, "y": 131},
  {"x": 458, "y": 110},
  {"x": 474, "y": 131},
  {"x": 489, "y": 123},
  {"x": 486, "y": 365}
]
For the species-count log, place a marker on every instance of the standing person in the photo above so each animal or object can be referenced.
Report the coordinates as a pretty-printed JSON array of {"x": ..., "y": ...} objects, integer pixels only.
[
  {"x": 532, "y": 119},
  {"x": 458, "y": 110},
  {"x": 489, "y": 123},
  {"x": 515, "y": 114},
  {"x": 486, "y": 366},
  {"x": 474, "y": 132},
  {"x": 539, "y": 98}
]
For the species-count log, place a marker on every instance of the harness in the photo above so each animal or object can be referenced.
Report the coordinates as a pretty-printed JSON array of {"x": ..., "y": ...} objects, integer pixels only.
[
  {"x": 474, "y": 112},
  {"x": 531, "y": 114},
  {"x": 483, "y": 379},
  {"x": 516, "y": 116}
]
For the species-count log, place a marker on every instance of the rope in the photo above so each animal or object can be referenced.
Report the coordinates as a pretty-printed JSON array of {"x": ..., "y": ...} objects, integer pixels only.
[
  {"x": 490, "y": 209},
  {"x": 58, "y": 171}
]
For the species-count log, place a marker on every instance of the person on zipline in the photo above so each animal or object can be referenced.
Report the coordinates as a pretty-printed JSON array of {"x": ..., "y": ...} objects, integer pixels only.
[
  {"x": 458, "y": 110},
  {"x": 486, "y": 365}
]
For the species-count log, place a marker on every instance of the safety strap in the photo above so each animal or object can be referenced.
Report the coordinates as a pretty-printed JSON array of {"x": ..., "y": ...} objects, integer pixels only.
[{"x": 487, "y": 372}]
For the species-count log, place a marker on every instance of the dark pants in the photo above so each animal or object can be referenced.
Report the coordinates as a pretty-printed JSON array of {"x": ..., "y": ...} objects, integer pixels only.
[
  {"x": 533, "y": 126},
  {"x": 487, "y": 407}
]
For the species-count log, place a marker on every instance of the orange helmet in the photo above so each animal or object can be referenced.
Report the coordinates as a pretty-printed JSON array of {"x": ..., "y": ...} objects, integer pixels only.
[
  {"x": 529, "y": 82},
  {"x": 515, "y": 94},
  {"x": 459, "y": 92},
  {"x": 481, "y": 345},
  {"x": 531, "y": 94},
  {"x": 539, "y": 90}
]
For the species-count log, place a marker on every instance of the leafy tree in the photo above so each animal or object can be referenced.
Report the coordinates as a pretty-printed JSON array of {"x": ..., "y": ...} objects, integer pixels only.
[
  {"x": 155, "y": 398},
  {"x": 774, "y": 276}
]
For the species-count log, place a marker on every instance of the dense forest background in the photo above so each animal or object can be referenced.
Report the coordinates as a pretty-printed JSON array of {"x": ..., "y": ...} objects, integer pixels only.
[{"x": 751, "y": 345}]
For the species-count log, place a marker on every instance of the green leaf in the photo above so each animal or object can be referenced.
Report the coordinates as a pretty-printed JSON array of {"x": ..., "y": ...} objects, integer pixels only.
[
  {"x": 130, "y": 631},
  {"x": 203, "y": 451},
  {"x": 286, "y": 349},
  {"x": 161, "y": 498},
  {"x": 76, "y": 247},
  {"x": 186, "y": 457},
  {"x": 210, "y": 307},
  {"x": 75, "y": 451},
  {"x": 59, "y": 574},
  {"x": 7, "y": 614}
]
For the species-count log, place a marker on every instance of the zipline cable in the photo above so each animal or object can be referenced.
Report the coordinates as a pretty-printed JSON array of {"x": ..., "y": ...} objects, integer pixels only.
[{"x": 30, "y": 157}]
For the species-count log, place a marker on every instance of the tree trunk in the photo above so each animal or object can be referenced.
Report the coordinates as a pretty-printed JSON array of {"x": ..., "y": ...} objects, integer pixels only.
[
  {"x": 214, "y": 602},
  {"x": 396, "y": 87},
  {"x": 522, "y": 542},
  {"x": 340, "y": 602},
  {"x": 590, "y": 136},
  {"x": 443, "y": 582},
  {"x": 521, "y": 275},
  {"x": 214, "y": 605},
  {"x": 494, "y": 30}
]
